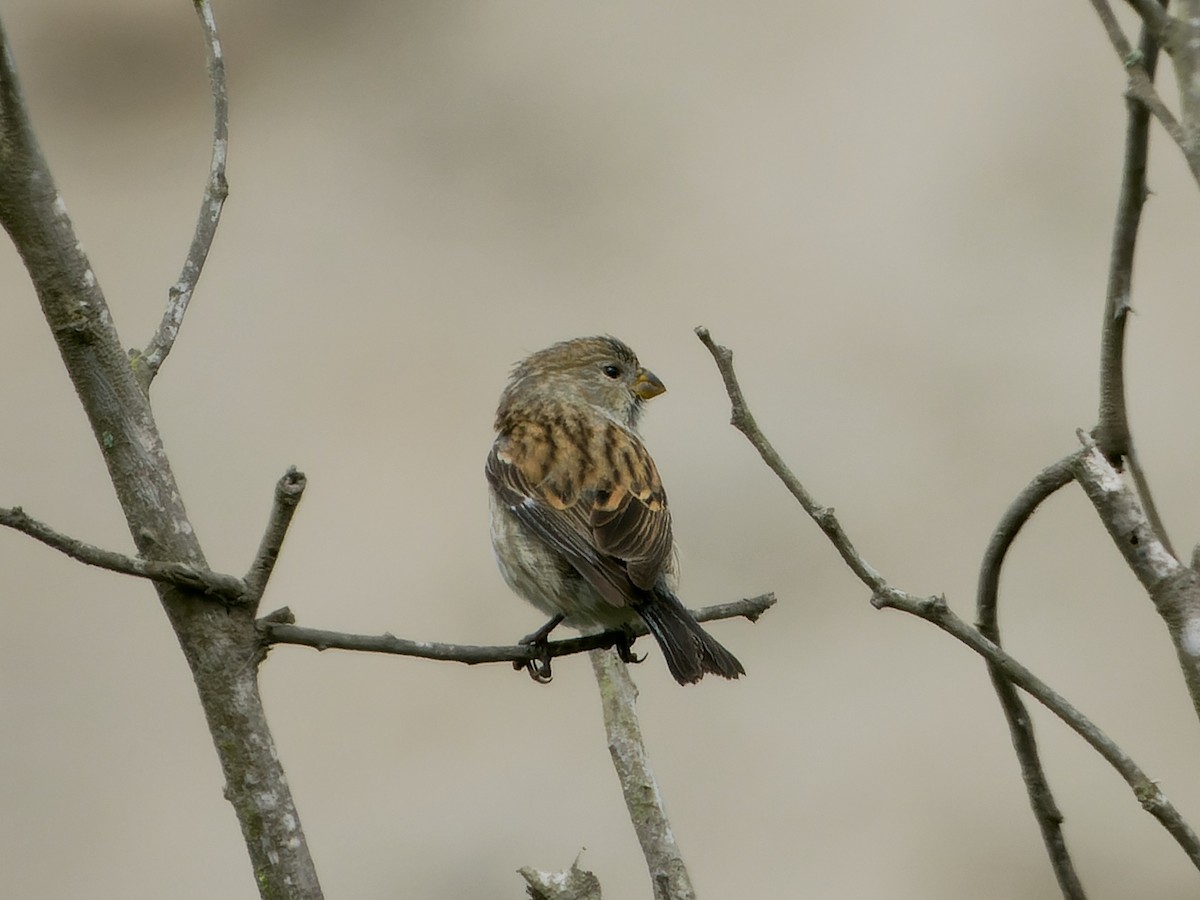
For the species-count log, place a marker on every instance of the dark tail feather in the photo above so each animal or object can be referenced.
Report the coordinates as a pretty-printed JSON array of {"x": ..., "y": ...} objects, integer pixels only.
[{"x": 690, "y": 651}]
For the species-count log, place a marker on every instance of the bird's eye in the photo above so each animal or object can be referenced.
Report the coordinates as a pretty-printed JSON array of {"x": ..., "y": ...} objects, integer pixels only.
[{"x": 612, "y": 371}]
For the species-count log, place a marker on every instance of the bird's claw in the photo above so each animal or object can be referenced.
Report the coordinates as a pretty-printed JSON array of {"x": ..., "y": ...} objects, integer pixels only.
[
  {"x": 625, "y": 651},
  {"x": 539, "y": 670},
  {"x": 538, "y": 666}
]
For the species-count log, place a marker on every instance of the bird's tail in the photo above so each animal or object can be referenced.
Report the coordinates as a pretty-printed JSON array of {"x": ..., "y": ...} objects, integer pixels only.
[{"x": 690, "y": 651}]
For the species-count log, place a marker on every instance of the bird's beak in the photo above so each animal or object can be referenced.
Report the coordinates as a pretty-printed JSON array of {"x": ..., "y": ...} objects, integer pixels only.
[{"x": 647, "y": 385}]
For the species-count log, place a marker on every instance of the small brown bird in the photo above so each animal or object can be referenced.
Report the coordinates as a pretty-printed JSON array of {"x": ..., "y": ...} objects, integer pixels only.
[{"x": 580, "y": 523}]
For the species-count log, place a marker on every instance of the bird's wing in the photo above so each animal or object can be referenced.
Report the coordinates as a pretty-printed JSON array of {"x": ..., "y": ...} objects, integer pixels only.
[
  {"x": 629, "y": 515},
  {"x": 609, "y": 521}
]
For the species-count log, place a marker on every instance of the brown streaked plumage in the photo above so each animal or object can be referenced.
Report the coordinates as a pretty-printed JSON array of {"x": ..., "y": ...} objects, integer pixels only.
[{"x": 580, "y": 522}]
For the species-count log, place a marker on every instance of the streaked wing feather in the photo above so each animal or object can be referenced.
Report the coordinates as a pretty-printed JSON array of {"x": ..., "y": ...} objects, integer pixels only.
[
  {"x": 631, "y": 521},
  {"x": 566, "y": 530}
]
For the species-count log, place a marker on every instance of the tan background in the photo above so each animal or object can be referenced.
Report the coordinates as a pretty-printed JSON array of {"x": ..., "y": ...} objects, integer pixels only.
[{"x": 899, "y": 217}]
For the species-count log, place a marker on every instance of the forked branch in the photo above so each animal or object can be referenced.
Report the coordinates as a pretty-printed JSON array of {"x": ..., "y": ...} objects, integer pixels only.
[{"x": 937, "y": 612}]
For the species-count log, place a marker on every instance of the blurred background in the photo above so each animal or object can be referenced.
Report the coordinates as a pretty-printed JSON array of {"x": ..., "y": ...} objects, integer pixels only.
[{"x": 897, "y": 215}]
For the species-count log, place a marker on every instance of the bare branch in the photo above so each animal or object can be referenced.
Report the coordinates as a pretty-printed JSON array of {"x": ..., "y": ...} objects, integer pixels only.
[
  {"x": 1113, "y": 434},
  {"x": 1182, "y": 42},
  {"x": 1141, "y": 87},
  {"x": 618, "y": 699},
  {"x": 220, "y": 645},
  {"x": 1112, "y": 431},
  {"x": 277, "y": 628},
  {"x": 148, "y": 362},
  {"x": 1125, "y": 520},
  {"x": 1147, "y": 791},
  {"x": 743, "y": 421},
  {"x": 288, "y": 491},
  {"x": 573, "y": 884},
  {"x": 1020, "y": 726},
  {"x": 1155, "y": 19},
  {"x": 935, "y": 611},
  {"x": 1172, "y": 586},
  {"x": 180, "y": 574}
]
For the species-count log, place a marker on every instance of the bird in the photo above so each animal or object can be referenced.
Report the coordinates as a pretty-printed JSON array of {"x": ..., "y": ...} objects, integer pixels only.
[{"x": 579, "y": 519}]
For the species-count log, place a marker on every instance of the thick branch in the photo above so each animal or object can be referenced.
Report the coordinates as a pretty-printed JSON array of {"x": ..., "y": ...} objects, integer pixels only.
[
  {"x": 179, "y": 574},
  {"x": 618, "y": 699},
  {"x": 148, "y": 362},
  {"x": 277, "y": 628},
  {"x": 935, "y": 611},
  {"x": 221, "y": 645},
  {"x": 1173, "y": 587},
  {"x": 1020, "y": 726}
]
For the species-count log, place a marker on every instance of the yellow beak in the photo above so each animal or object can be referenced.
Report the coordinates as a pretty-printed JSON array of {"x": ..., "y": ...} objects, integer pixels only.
[{"x": 647, "y": 385}]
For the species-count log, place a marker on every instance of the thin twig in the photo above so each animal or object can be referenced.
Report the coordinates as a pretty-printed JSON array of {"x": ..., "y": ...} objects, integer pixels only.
[
  {"x": 935, "y": 611},
  {"x": 1142, "y": 485},
  {"x": 148, "y": 362},
  {"x": 1182, "y": 43},
  {"x": 618, "y": 699},
  {"x": 288, "y": 491},
  {"x": 1155, "y": 19},
  {"x": 277, "y": 628},
  {"x": 182, "y": 575},
  {"x": 1147, "y": 791},
  {"x": 743, "y": 421},
  {"x": 1020, "y": 726},
  {"x": 1141, "y": 87}
]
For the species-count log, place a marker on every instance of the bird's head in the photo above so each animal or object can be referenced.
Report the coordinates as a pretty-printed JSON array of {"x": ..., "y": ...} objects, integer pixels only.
[{"x": 602, "y": 371}]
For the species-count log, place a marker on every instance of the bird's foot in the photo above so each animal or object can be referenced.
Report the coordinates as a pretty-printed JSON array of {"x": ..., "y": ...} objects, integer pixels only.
[
  {"x": 625, "y": 649},
  {"x": 538, "y": 666}
]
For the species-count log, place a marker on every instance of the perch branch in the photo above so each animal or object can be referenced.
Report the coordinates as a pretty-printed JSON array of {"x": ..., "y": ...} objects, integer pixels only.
[
  {"x": 618, "y": 699},
  {"x": 148, "y": 362},
  {"x": 181, "y": 575},
  {"x": 1020, "y": 726},
  {"x": 278, "y": 628},
  {"x": 935, "y": 611},
  {"x": 288, "y": 491}
]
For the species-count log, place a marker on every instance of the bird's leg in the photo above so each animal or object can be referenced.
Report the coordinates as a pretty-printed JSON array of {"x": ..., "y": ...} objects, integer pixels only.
[
  {"x": 539, "y": 667},
  {"x": 539, "y": 636}
]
